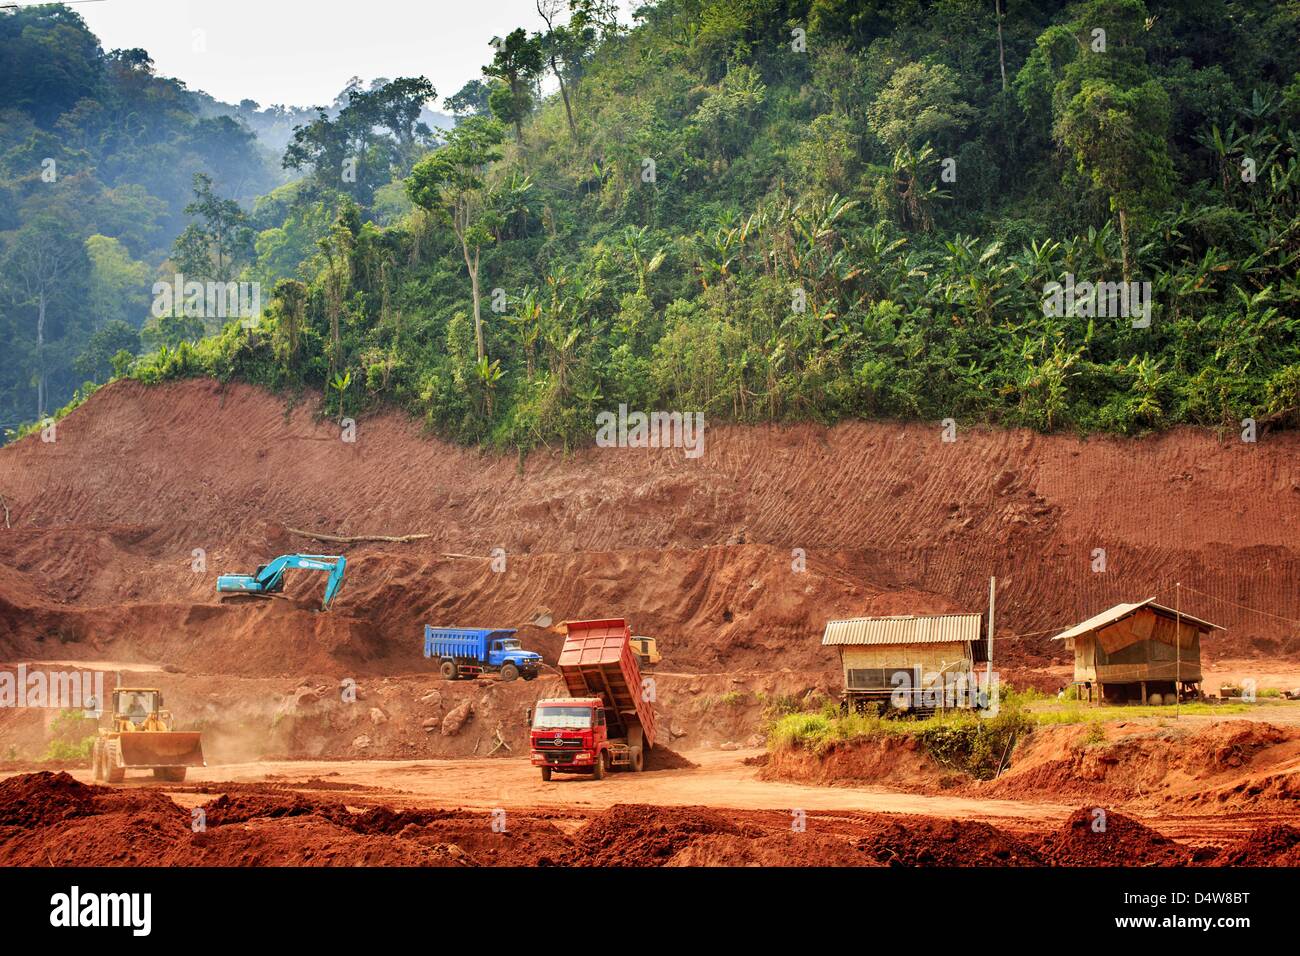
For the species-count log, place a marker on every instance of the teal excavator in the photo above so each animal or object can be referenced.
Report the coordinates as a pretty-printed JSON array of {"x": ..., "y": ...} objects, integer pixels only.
[{"x": 269, "y": 578}]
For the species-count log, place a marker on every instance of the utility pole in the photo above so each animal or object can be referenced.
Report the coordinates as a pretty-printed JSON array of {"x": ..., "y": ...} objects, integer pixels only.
[
  {"x": 1178, "y": 649},
  {"x": 988, "y": 667}
]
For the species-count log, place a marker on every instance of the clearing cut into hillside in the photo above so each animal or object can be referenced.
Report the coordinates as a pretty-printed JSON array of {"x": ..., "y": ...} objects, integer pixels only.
[{"x": 734, "y": 559}]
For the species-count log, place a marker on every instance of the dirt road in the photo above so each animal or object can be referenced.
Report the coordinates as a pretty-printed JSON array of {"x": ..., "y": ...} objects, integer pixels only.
[{"x": 721, "y": 780}]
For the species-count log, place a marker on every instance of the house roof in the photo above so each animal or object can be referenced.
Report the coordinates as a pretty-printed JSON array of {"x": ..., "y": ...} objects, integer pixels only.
[
  {"x": 909, "y": 629},
  {"x": 1121, "y": 611}
]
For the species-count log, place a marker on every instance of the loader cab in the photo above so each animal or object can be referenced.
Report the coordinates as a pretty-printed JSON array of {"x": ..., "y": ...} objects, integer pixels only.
[{"x": 136, "y": 705}]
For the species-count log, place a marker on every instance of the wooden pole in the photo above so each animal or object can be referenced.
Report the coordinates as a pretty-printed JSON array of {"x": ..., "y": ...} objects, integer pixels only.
[
  {"x": 1178, "y": 649},
  {"x": 988, "y": 666}
]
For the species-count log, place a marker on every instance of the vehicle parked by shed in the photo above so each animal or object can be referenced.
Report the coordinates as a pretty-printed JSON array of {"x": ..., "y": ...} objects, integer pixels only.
[{"x": 469, "y": 652}]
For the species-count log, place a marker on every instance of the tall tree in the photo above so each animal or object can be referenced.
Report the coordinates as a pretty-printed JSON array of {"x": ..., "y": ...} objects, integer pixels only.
[
  {"x": 517, "y": 63},
  {"x": 552, "y": 44},
  {"x": 449, "y": 184},
  {"x": 1113, "y": 114},
  {"x": 356, "y": 150},
  {"x": 470, "y": 100},
  {"x": 45, "y": 267},
  {"x": 213, "y": 247}
]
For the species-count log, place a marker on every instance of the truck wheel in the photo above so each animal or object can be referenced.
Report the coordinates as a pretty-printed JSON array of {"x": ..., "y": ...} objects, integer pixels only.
[
  {"x": 509, "y": 672},
  {"x": 638, "y": 760},
  {"x": 598, "y": 771},
  {"x": 448, "y": 670},
  {"x": 546, "y": 774}
]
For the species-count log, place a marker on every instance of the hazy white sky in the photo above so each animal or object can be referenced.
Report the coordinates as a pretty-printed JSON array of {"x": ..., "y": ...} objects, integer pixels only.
[{"x": 302, "y": 52}]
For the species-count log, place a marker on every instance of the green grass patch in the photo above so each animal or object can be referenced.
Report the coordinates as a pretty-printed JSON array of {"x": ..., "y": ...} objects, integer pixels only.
[
  {"x": 957, "y": 740},
  {"x": 1071, "y": 712}
]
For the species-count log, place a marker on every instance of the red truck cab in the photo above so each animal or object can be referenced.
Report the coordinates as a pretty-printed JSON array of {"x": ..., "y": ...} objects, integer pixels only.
[{"x": 571, "y": 734}]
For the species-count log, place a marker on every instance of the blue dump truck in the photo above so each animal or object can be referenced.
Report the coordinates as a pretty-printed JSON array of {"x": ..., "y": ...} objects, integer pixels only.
[{"x": 470, "y": 651}]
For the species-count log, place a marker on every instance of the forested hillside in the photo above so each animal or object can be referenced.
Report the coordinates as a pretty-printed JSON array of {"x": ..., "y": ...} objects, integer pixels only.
[
  {"x": 757, "y": 209},
  {"x": 98, "y": 165}
]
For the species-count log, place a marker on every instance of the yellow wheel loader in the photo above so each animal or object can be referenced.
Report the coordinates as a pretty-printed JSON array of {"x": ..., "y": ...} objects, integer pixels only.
[{"x": 139, "y": 737}]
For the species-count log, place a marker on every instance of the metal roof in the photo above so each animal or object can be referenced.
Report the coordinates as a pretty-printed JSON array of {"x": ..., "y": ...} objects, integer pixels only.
[
  {"x": 1121, "y": 611},
  {"x": 939, "y": 629}
]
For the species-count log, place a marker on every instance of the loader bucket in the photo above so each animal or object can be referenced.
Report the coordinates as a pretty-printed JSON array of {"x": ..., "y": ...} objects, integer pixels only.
[{"x": 162, "y": 749}]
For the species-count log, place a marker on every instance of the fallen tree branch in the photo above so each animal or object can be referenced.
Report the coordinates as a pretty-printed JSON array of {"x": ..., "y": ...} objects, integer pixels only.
[
  {"x": 349, "y": 539},
  {"x": 501, "y": 742},
  {"x": 5, "y": 505}
]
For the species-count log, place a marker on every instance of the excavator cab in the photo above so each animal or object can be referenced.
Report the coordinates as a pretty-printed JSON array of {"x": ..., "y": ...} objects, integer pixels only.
[{"x": 646, "y": 650}]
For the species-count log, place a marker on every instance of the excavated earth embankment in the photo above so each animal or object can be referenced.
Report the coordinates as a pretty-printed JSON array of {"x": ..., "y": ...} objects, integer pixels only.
[{"x": 735, "y": 559}]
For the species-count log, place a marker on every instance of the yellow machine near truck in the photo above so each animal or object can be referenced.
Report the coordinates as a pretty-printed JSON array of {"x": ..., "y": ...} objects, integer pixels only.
[{"x": 139, "y": 736}]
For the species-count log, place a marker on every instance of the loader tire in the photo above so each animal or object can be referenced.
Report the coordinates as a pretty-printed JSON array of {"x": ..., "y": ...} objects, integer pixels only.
[
  {"x": 114, "y": 772},
  {"x": 546, "y": 774},
  {"x": 173, "y": 774},
  {"x": 509, "y": 672},
  {"x": 97, "y": 763},
  {"x": 448, "y": 670}
]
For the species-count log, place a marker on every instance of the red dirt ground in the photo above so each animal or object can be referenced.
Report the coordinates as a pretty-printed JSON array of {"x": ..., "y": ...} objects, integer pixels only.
[{"x": 100, "y": 826}]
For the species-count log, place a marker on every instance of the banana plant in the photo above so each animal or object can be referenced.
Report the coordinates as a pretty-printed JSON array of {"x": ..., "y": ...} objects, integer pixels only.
[
  {"x": 340, "y": 383},
  {"x": 527, "y": 325},
  {"x": 488, "y": 374}
]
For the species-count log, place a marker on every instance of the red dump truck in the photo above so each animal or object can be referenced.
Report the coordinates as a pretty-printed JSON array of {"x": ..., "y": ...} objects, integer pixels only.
[{"x": 606, "y": 722}]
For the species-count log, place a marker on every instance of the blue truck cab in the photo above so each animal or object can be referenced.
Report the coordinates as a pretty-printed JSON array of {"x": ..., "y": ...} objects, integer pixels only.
[{"x": 470, "y": 651}]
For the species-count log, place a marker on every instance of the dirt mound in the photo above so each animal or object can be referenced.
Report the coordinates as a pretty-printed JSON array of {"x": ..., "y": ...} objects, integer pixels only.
[
  {"x": 477, "y": 838},
  {"x": 638, "y": 835},
  {"x": 927, "y": 842},
  {"x": 241, "y": 808},
  {"x": 886, "y": 761},
  {"x": 67, "y": 822},
  {"x": 1276, "y": 844},
  {"x": 311, "y": 840},
  {"x": 664, "y": 758},
  {"x": 41, "y": 799},
  {"x": 783, "y": 849},
  {"x": 1093, "y": 836},
  {"x": 50, "y": 819},
  {"x": 1235, "y": 764}
]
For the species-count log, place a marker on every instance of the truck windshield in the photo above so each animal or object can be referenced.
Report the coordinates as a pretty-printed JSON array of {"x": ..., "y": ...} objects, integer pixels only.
[
  {"x": 562, "y": 717},
  {"x": 511, "y": 646}
]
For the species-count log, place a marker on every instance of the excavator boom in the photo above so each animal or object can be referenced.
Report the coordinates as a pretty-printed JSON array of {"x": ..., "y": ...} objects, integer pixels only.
[{"x": 269, "y": 578}]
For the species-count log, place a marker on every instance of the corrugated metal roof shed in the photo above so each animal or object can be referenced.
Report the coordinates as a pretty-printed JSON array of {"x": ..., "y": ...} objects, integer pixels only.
[
  {"x": 1121, "y": 611},
  {"x": 939, "y": 629}
]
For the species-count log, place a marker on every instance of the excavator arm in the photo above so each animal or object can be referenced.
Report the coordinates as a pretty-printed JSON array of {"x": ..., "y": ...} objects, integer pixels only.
[{"x": 269, "y": 578}]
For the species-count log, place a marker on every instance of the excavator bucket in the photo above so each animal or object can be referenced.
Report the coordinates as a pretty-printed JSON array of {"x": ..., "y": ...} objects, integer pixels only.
[{"x": 176, "y": 748}]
